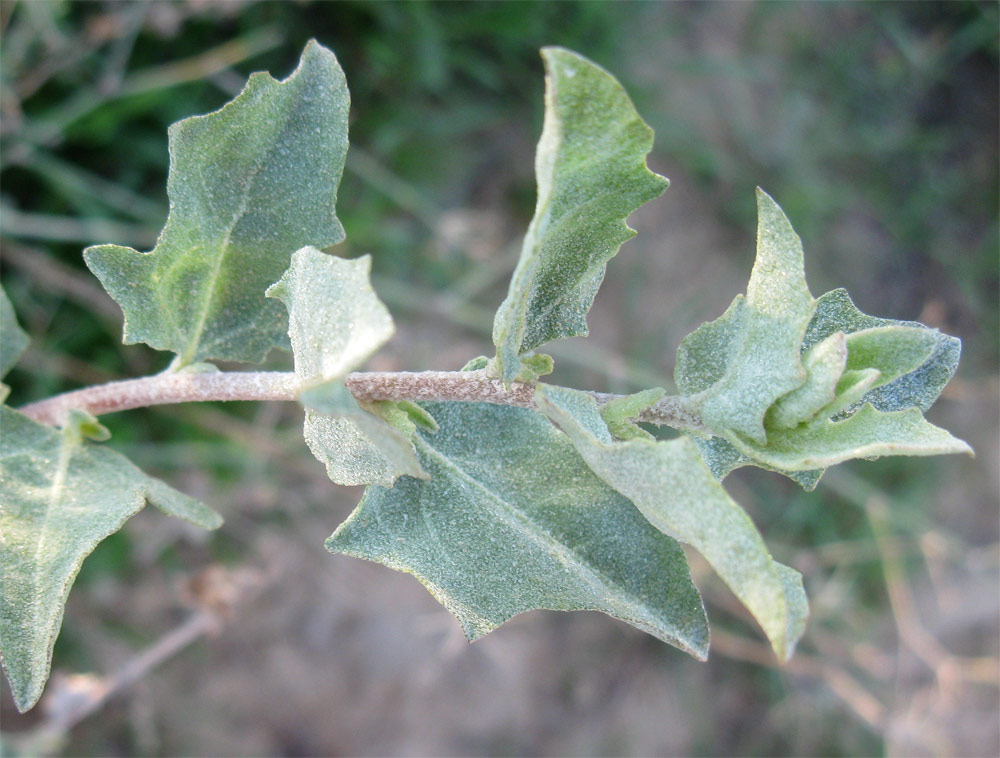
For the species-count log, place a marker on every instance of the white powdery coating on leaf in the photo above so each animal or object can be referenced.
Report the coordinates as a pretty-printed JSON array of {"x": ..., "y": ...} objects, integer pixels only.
[
  {"x": 511, "y": 519},
  {"x": 591, "y": 171},
  {"x": 59, "y": 497},
  {"x": 249, "y": 184},
  {"x": 336, "y": 320},
  {"x": 670, "y": 484}
]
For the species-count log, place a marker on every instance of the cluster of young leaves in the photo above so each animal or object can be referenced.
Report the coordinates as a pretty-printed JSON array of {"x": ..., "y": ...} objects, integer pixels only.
[{"x": 495, "y": 509}]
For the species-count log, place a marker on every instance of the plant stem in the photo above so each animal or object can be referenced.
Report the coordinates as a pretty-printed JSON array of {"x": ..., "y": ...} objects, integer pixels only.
[{"x": 462, "y": 386}]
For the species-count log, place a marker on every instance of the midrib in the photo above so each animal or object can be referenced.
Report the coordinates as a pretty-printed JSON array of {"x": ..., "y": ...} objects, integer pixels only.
[
  {"x": 195, "y": 343},
  {"x": 223, "y": 249},
  {"x": 55, "y": 497},
  {"x": 523, "y": 525}
]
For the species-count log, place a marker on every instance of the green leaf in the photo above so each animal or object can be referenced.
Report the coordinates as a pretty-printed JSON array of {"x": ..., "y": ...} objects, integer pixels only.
[
  {"x": 355, "y": 446},
  {"x": 824, "y": 363},
  {"x": 13, "y": 340},
  {"x": 853, "y": 386},
  {"x": 620, "y": 414},
  {"x": 742, "y": 363},
  {"x": 591, "y": 172},
  {"x": 722, "y": 457},
  {"x": 672, "y": 487},
  {"x": 248, "y": 185},
  {"x": 511, "y": 520},
  {"x": 177, "y": 504},
  {"x": 869, "y": 433},
  {"x": 418, "y": 416},
  {"x": 59, "y": 497},
  {"x": 919, "y": 387},
  {"x": 891, "y": 365},
  {"x": 336, "y": 321}
]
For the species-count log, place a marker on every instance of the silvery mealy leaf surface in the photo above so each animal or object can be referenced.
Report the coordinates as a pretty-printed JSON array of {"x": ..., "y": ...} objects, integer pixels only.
[
  {"x": 672, "y": 487},
  {"x": 738, "y": 365},
  {"x": 249, "y": 185},
  {"x": 917, "y": 388},
  {"x": 336, "y": 321},
  {"x": 591, "y": 171},
  {"x": 867, "y": 433},
  {"x": 59, "y": 497},
  {"x": 512, "y": 519}
]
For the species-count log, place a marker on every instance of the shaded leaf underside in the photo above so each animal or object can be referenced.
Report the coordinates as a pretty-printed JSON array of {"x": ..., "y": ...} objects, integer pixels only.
[{"x": 336, "y": 321}]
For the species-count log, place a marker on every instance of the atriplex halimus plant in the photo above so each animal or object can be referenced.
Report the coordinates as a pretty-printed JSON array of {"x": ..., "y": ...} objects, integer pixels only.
[{"x": 500, "y": 493}]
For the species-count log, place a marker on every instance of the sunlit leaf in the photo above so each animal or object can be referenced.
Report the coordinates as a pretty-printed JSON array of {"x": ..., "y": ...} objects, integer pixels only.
[
  {"x": 336, "y": 321},
  {"x": 824, "y": 363},
  {"x": 59, "y": 497},
  {"x": 670, "y": 484},
  {"x": 742, "y": 363},
  {"x": 591, "y": 171},
  {"x": 249, "y": 185},
  {"x": 511, "y": 519},
  {"x": 868, "y": 433}
]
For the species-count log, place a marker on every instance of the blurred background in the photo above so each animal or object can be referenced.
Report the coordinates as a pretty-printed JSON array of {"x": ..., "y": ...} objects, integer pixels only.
[{"x": 874, "y": 125}]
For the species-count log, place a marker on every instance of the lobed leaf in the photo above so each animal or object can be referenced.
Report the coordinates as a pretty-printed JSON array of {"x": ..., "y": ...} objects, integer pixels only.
[
  {"x": 591, "y": 172},
  {"x": 336, "y": 321},
  {"x": 918, "y": 387},
  {"x": 722, "y": 457},
  {"x": 355, "y": 446},
  {"x": 868, "y": 433},
  {"x": 13, "y": 340},
  {"x": 248, "y": 185},
  {"x": 742, "y": 363},
  {"x": 59, "y": 497},
  {"x": 824, "y": 363},
  {"x": 670, "y": 484},
  {"x": 512, "y": 520}
]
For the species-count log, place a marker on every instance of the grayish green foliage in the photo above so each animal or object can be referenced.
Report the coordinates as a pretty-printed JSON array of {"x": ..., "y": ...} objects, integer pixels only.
[
  {"x": 846, "y": 359},
  {"x": 620, "y": 414},
  {"x": 670, "y": 484},
  {"x": 824, "y": 363},
  {"x": 739, "y": 365},
  {"x": 511, "y": 519},
  {"x": 248, "y": 185},
  {"x": 13, "y": 340},
  {"x": 868, "y": 433},
  {"x": 494, "y": 509},
  {"x": 918, "y": 388},
  {"x": 356, "y": 446},
  {"x": 722, "y": 457},
  {"x": 336, "y": 321},
  {"x": 59, "y": 497},
  {"x": 591, "y": 171}
]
